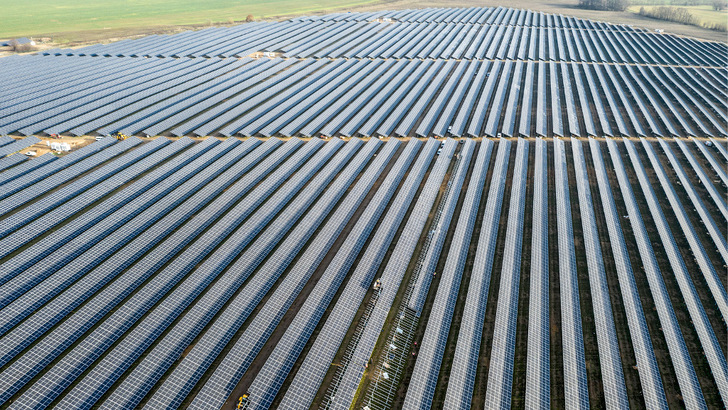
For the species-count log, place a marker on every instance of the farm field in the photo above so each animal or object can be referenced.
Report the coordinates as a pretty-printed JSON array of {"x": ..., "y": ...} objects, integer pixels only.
[
  {"x": 170, "y": 285},
  {"x": 116, "y": 16}
]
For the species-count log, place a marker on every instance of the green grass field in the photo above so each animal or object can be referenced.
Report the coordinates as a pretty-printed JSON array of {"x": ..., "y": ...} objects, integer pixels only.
[{"x": 63, "y": 16}]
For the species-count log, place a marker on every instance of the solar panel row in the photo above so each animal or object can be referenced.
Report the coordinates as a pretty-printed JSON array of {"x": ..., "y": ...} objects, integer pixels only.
[
  {"x": 706, "y": 267},
  {"x": 17, "y": 145},
  {"x": 11, "y": 161},
  {"x": 79, "y": 224},
  {"x": 36, "y": 270},
  {"x": 61, "y": 266},
  {"x": 396, "y": 89},
  {"x": 74, "y": 268},
  {"x": 95, "y": 308},
  {"x": 26, "y": 229},
  {"x": 5, "y": 140},
  {"x": 19, "y": 178},
  {"x": 15, "y": 172},
  {"x": 538, "y": 362},
  {"x": 575, "y": 382},
  {"x": 77, "y": 178},
  {"x": 718, "y": 200},
  {"x": 493, "y": 15},
  {"x": 719, "y": 146},
  {"x": 439, "y": 228},
  {"x": 717, "y": 168},
  {"x": 365, "y": 69}
]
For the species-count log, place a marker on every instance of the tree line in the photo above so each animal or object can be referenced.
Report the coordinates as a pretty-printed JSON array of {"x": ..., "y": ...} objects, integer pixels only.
[
  {"x": 608, "y": 5},
  {"x": 680, "y": 15}
]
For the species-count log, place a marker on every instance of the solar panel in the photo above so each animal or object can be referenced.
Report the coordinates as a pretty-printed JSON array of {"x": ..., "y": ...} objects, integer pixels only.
[
  {"x": 500, "y": 94},
  {"x": 707, "y": 183},
  {"x": 5, "y": 140},
  {"x": 315, "y": 364},
  {"x": 48, "y": 168},
  {"x": 575, "y": 382},
  {"x": 557, "y": 126},
  {"x": 303, "y": 120},
  {"x": 154, "y": 273},
  {"x": 669, "y": 73},
  {"x": 27, "y": 167},
  {"x": 716, "y": 167},
  {"x": 441, "y": 224},
  {"x": 511, "y": 109},
  {"x": 78, "y": 186},
  {"x": 541, "y": 101},
  {"x": 457, "y": 125},
  {"x": 32, "y": 229},
  {"x": 524, "y": 127},
  {"x": 69, "y": 272},
  {"x": 97, "y": 307},
  {"x": 9, "y": 162},
  {"x": 18, "y": 145},
  {"x": 538, "y": 380},
  {"x": 76, "y": 244},
  {"x": 212, "y": 94},
  {"x": 595, "y": 88}
]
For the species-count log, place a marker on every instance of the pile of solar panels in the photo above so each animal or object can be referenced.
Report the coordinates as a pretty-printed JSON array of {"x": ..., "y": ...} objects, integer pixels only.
[{"x": 430, "y": 72}]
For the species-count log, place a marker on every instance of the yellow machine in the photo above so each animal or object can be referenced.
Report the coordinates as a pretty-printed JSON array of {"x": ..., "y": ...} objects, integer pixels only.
[
  {"x": 119, "y": 136},
  {"x": 243, "y": 402}
]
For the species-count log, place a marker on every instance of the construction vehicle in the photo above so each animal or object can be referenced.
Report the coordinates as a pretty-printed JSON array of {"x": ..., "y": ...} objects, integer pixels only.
[
  {"x": 377, "y": 284},
  {"x": 243, "y": 402},
  {"x": 119, "y": 136}
]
